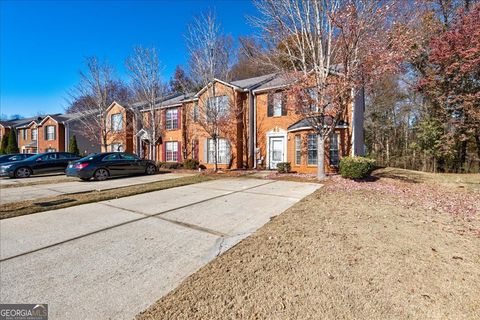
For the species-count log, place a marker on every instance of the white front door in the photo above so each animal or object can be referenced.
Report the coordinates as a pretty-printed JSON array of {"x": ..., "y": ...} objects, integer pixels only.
[{"x": 276, "y": 152}]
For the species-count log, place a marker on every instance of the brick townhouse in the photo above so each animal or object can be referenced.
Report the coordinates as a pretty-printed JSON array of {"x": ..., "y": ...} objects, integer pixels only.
[
  {"x": 49, "y": 133},
  {"x": 263, "y": 129}
]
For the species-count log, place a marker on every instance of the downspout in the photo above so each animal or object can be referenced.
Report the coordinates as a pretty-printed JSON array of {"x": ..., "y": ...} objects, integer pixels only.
[
  {"x": 254, "y": 131},
  {"x": 251, "y": 128}
]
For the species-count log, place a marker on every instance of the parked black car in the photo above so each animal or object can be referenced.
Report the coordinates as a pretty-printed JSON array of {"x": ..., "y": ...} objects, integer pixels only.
[
  {"x": 15, "y": 157},
  {"x": 100, "y": 166},
  {"x": 40, "y": 163}
]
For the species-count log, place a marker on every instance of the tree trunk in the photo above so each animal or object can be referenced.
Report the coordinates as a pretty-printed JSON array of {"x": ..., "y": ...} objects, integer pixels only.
[
  {"x": 320, "y": 157},
  {"x": 215, "y": 156}
]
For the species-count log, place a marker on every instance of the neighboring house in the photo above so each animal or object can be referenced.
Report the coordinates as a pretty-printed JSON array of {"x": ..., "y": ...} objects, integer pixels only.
[
  {"x": 49, "y": 133},
  {"x": 263, "y": 131}
]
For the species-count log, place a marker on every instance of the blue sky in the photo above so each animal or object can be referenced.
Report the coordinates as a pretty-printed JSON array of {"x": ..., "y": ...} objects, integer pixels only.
[{"x": 43, "y": 44}]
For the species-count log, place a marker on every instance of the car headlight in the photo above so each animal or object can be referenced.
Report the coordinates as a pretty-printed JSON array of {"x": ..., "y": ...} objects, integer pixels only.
[{"x": 5, "y": 167}]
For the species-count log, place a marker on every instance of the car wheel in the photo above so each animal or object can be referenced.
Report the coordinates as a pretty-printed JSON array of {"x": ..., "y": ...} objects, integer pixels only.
[
  {"x": 23, "y": 172},
  {"x": 100, "y": 174},
  {"x": 151, "y": 169}
]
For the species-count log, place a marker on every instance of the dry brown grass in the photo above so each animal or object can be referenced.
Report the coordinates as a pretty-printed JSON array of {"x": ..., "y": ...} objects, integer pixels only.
[
  {"x": 368, "y": 252},
  {"x": 20, "y": 208}
]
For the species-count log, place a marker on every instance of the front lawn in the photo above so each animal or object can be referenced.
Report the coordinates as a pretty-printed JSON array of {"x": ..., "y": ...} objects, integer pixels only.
[{"x": 402, "y": 246}]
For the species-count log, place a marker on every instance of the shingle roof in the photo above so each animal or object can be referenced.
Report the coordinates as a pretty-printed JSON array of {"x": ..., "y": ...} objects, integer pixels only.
[
  {"x": 250, "y": 83},
  {"x": 277, "y": 81},
  {"x": 306, "y": 124}
]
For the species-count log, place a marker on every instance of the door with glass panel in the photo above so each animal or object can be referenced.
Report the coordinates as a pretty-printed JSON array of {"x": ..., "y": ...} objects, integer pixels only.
[{"x": 276, "y": 152}]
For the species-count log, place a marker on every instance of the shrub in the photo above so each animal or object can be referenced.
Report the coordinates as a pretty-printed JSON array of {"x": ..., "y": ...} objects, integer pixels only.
[
  {"x": 284, "y": 167},
  {"x": 356, "y": 167},
  {"x": 169, "y": 165},
  {"x": 191, "y": 164}
]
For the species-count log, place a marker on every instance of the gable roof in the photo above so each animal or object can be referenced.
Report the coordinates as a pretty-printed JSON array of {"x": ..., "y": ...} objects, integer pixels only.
[
  {"x": 251, "y": 83},
  {"x": 304, "y": 124}
]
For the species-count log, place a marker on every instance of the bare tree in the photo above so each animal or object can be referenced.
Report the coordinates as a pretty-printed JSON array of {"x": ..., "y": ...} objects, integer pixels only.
[
  {"x": 95, "y": 91},
  {"x": 322, "y": 48},
  {"x": 145, "y": 74},
  {"x": 210, "y": 53}
]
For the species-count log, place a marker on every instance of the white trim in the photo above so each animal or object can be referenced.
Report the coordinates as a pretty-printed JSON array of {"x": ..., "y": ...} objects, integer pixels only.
[
  {"x": 311, "y": 128},
  {"x": 281, "y": 133},
  {"x": 111, "y": 106},
  {"x": 41, "y": 122},
  {"x": 222, "y": 82}
]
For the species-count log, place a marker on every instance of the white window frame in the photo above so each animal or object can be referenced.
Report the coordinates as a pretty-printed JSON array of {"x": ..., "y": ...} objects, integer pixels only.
[
  {"x": 34, "y": 136},
  {"x": 171, "y": 116},
  {"x": 298, "y": 149},
  {"x": 116, "y": 122},
  {"x": 334, "y": 149},
  {"x": 223, "y": 151},
  {"x": 171, "y": 151},
  {"x": 50, "y": 136},
  {"x": 312, "y": 147},
  {"x": 116, "y": 147},
  {"x": 277, "y": 104},
  {"x": 219, "y": 105},
  {"x": 313, "y": 97}
]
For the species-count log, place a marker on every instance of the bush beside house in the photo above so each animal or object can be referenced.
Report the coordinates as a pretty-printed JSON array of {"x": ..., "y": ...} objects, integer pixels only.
[
  {"x": 4, "y": 144},
  {"x": 12, "y": 146},
  {"x": 356, "y": 167}
]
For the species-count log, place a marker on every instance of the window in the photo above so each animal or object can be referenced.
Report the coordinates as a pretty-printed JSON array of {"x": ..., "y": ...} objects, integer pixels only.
[
  {"x": 171, "y": 151},
  {"x": 129, "y": 157},
  {"x": 24, "y": 134},
  {"x": 298, "y": 149},
  {"x": 50, "y": 132},
  {"x": 172, "y": 119},
  {"x": 50, "y": 156},
  {"x": 34, "y": 134},
  {"x": 111, "y": 157},
  {"x": 312, "y": 149},
  {"x": 277, "y": 104},
  {"x": 217, "y": 107},
  {"x": 223, "y": 151},
  {"x": 334, "y": 149},
  {"x": 312, "y": 99},
  {"x": 116, "y": 122},
  {"x": 195, "y": 112},
  {"x": 116, "y": 147}
]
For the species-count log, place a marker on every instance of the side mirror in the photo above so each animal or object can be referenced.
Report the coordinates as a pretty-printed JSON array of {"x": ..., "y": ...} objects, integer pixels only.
[{"x": 39, "y": 160}]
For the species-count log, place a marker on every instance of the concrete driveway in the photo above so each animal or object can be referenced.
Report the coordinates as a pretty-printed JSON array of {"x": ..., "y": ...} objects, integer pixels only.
[
  {"x": 111, "y": 260},
  {"x": 14, "y": 194}
]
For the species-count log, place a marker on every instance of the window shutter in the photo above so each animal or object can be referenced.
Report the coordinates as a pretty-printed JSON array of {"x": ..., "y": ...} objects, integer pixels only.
[
  {"x": 284, "y": 104},
  {"x": 179, "y": 118},
  {"x": 45, "y": 136},
  {"x": 164, "y": 151},
  {"x": 228, "y": 151},
  {"x": 55, "y": 133},
  {"x": 164, "y": 119},
  {"x": 205, "y": 151},
  {"x": 195, "y": 149},
  {"x": 270, "y": 105},
  {"x": 179, "y": 152}
]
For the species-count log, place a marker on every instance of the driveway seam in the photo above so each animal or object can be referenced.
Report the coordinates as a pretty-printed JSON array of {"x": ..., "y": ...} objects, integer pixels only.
[
  {"x": 183, "y": 224},
  {"x": 125, "y": 223}
]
